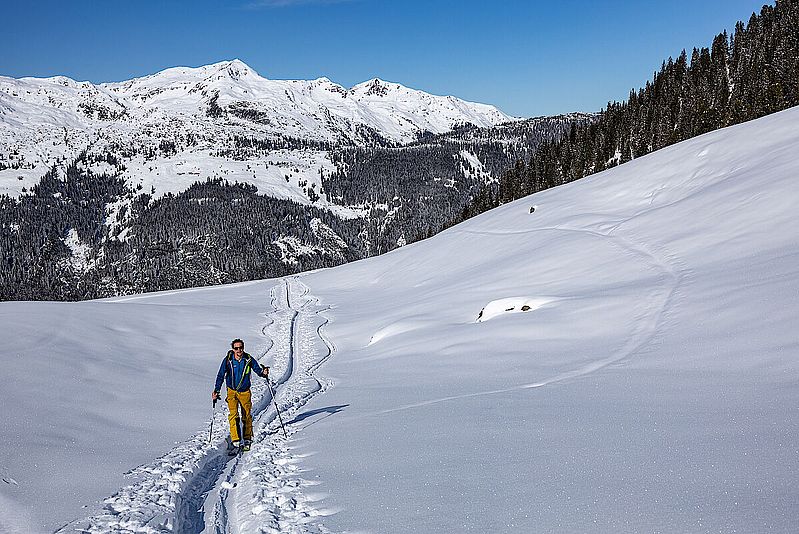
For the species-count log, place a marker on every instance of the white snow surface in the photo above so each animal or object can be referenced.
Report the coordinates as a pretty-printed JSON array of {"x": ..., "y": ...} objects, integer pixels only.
[{"x": 651, "y": 386}]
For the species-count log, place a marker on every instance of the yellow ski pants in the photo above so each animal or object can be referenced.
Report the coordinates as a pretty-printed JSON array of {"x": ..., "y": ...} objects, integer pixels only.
[{"x": 234, "y": 399}]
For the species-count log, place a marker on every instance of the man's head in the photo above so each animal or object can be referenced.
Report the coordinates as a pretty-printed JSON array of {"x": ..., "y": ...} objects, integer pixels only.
[{"x": 237, "y": 345}]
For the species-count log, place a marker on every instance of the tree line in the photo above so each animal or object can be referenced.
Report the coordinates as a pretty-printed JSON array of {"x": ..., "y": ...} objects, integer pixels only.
[
  {"x": 214, "y": 232},
  {"x": 740, "y": 77},
  {"x": 416, "y": 190}
]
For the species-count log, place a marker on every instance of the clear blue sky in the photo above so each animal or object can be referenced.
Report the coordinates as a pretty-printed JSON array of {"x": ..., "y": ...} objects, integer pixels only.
[{"x": 528, "y": 58}]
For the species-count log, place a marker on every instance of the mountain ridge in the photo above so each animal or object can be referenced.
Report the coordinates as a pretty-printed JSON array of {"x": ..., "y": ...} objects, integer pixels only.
[
  {"x": 234, "y": 80},
  {"x": 47, "y": 121}
]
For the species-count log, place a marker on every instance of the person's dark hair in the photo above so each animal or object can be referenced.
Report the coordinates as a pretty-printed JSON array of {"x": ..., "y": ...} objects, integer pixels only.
[{"x": 237, "y": 340}]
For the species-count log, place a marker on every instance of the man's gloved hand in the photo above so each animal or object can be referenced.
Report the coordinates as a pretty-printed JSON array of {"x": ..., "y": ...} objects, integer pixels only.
[
  {"x": 214, "y": 395},
  {"x": 265, "y": 372}
]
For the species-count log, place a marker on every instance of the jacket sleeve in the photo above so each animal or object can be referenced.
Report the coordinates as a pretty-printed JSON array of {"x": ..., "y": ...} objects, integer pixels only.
[
  {"x": 257, "y": 367},
  {"x": 220, "y": 376}
]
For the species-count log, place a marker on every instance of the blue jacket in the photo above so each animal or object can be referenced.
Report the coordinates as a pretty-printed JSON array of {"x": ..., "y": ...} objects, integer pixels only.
[{"x": 236, "y": 374}]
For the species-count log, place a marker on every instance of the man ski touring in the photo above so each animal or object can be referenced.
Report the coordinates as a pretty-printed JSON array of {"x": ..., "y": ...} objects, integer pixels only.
[{"x": 235, "y": 371}]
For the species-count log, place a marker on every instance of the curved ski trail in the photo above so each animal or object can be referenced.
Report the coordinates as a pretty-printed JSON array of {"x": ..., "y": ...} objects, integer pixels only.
[
  {"x": 264, "y": 490},
  {"x": 196, "y": 487}
]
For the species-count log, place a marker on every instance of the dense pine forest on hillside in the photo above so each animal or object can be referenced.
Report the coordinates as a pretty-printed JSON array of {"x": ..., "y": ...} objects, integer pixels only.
[
  {"x": 415, "y": 190},
  {"x": 212, "y": 233},
  {"x": 740, "y": 77}
]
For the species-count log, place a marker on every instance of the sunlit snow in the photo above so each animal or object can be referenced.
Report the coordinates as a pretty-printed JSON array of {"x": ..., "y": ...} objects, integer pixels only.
[{"x": 650, "y": 386}]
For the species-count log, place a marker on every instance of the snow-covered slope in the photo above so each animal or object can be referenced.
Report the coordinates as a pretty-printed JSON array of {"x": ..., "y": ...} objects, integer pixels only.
[
  {"x": 199, "y": 112},
  {"x": 624, "y": 359}
]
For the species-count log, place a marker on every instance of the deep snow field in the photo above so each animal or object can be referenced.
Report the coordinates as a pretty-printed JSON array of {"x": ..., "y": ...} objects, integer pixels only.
[{"x": 635, "y": 368}]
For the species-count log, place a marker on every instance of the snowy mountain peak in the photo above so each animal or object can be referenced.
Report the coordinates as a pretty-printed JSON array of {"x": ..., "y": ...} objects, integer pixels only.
[
  {"x": 323, "y": 82},
  {"x": 374, "y": 87},
  {"x": 66, "y": 81},
  {"x": 236, "y": 69},
  {"x": 229, "y": 72}
]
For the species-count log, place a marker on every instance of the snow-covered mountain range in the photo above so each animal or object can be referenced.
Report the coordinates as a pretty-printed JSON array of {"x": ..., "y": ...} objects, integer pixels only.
[{"x": 173, "y": 124}]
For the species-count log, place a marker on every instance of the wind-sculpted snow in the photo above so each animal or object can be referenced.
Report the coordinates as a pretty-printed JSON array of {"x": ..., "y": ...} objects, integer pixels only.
[{"x": 499, "y": 307}]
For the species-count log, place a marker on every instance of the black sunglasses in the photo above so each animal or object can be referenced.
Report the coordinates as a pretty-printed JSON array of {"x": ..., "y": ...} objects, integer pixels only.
[{"x": 239, "y": 348}]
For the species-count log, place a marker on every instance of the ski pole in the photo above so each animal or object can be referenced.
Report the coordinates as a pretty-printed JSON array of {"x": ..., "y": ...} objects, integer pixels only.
[
  {"x": 210, "y": 432},
  {"x": 276, "y": 408}
]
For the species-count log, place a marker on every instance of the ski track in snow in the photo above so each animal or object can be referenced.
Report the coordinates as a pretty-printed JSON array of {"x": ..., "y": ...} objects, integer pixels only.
[
  {"x": 646, "y": 327},
  {"x": 196, "y": 487}
]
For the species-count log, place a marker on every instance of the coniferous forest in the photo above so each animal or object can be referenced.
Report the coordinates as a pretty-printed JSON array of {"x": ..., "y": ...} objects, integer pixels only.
[
  {"x": 751, "y": 73},
  {"x": 212, "y": 233}
]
